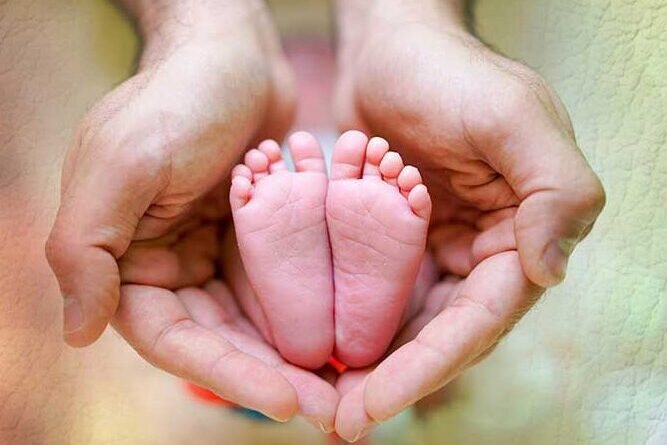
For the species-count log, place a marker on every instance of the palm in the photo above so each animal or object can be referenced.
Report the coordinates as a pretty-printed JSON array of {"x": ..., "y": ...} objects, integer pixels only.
[{"x": 199, "y": 333}]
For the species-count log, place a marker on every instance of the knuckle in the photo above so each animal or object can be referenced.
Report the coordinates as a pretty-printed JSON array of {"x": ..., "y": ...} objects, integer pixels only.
[
  {"x": 519, "y": 99},
  {"x": 54, "y": 248},
  {"x": 593, "y": 196},
  {"x": 148, "y": 160},
  {"x": 506, "y": 106}
]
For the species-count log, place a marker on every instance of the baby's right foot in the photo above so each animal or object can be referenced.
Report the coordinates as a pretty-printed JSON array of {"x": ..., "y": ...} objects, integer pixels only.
[
  {"x": 377, "y": 213},
  {"x": 281, "y": 229}
]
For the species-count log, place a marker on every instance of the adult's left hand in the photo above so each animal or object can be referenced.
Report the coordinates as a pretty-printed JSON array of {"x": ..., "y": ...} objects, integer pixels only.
[{"x": 512, "y": 193}]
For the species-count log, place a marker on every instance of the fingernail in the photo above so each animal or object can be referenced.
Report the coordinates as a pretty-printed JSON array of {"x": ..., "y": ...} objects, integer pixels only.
[
  {"x": 72, "y": 315},
  {"x": 555, "y": 259},
  {"x": 277, "y": 419},
  {"x": 319, "y": 424},
  {"x": 362, "y": 433},
  {"x": 323, "y": 428}
]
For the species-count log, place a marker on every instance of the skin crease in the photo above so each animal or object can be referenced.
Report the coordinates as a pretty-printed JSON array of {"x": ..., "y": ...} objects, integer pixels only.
[
  {"x": 512, "y": 194},
  {"x": 506, "y": 183}
]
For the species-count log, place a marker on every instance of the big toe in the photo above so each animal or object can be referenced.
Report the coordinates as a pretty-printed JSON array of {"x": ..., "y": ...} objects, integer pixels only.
[
  {"x": 349, "y": 155},
  {"x": 306, "y": 152}
]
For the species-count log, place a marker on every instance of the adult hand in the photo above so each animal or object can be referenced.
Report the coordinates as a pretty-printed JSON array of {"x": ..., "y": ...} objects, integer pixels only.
[
  {"x": 512, "y": 193},
  {"x": 139, "y": 182},
  {"x": 201, "y": 334},
  {"x": 142, "y": 197}
]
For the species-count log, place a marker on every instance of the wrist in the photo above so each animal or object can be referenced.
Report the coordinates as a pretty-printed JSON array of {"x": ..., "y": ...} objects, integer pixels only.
[
  {"x": 167, "y": 24},
  {"x": 354, "y": 16}
]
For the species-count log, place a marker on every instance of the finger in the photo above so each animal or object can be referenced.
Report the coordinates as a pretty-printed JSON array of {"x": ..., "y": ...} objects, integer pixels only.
[
  {"x": 451, "y": 245},
  {"x": 436, "y": 300},
  {"x": 560, "y": 195},
  {"x": 216, "y": 309},
  {"x": 98, "y": 215},
  {"x": 485, "y": 306},
  {"x": 426, "y": 278},
  {"x": 188, "y": 261},
  {"x": 495, "y": 239},
  {"x": 156, "y": 323},
  {"x": 235, "y": 275},
  {"x": 352, "y": 421},
  {"x": 164, "y": 218}
]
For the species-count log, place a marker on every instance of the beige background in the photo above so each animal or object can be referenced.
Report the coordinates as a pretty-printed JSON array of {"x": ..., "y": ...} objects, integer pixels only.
[{"x": 588, "y": 365}]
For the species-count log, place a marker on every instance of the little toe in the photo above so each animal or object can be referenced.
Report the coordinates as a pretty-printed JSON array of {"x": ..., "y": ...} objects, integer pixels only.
[
  {"x": 408, "y": 178},
  {"x": 272, "y": 151},
  {"x": 390, "y": 167},
  {"x": 240, "y": 192},
  {"x": 306, "y": 152},
  {"x": 258, "y": 163},
  {"x": 376, "y": 149},
  {"x": 420, "y": 201},
  {"x": 348, "y": 156}
]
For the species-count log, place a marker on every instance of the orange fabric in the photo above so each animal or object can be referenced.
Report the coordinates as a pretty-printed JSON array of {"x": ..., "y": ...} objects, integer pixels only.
[
  {"x": 207, "y": 396},
  {"x": 336, "y": 364}
]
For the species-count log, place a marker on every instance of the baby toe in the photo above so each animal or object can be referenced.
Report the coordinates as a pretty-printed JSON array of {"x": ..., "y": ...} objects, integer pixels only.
[
  {"x": 272, "y": 151},
  {"x": 242, "y": 170},
  {"x": 240, "y": 192},
  {"x": 408, "y": 178},
  {"x": 258, "y": 163},
  {"x": 306, "y": 152},
  {"x": 348, "y": 156},
  {"x": 376, "y": 149},
  {"x": 390, "y": 167},
  {"x": 420, "y": 201}
]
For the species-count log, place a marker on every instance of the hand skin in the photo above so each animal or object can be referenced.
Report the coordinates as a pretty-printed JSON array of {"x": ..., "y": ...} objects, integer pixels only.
[
  {"x": 202, "y": 332},
  {"x": 143, "y": 196},
  {"x": 512, "y": 193}
]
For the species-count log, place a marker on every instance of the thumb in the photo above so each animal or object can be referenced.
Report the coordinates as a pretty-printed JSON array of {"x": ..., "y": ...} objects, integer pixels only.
[
  {"x": 560, "y": 195},
  {"x": 101, "y": 205}
]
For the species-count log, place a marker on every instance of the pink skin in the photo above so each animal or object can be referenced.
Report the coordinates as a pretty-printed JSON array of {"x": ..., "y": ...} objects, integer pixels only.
[
  {"x": 282, "y": 235},
  {"x": 378, "y": 212}
]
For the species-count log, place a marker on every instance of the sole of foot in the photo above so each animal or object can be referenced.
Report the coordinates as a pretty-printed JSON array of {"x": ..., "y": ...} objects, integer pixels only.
[
  {"x": 280, "y": 223},
  {"x": 378, "y": 213}
]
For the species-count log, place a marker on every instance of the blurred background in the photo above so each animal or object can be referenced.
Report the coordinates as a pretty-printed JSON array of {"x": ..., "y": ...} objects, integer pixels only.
[{"x": 587, "y": 366}]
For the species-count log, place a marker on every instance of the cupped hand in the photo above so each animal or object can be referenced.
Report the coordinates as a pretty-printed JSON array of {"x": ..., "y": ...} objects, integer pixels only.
[
  {"x": 512, "y": 193},
  {"x": 142, "y": 185},
  {"x": 459, "y": 323},
  {"x": 144, "y": 198},
  {"x": 200, "y": 334}
]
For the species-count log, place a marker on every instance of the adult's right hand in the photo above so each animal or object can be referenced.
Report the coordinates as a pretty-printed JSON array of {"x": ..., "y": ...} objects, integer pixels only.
[{"x": 139, "y": 206}]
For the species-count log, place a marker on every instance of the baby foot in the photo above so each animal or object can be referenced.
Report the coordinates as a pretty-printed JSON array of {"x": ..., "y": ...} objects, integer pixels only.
[
  {"x": 281, "y": 230},
  {"x": 378, "y": 212}
]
